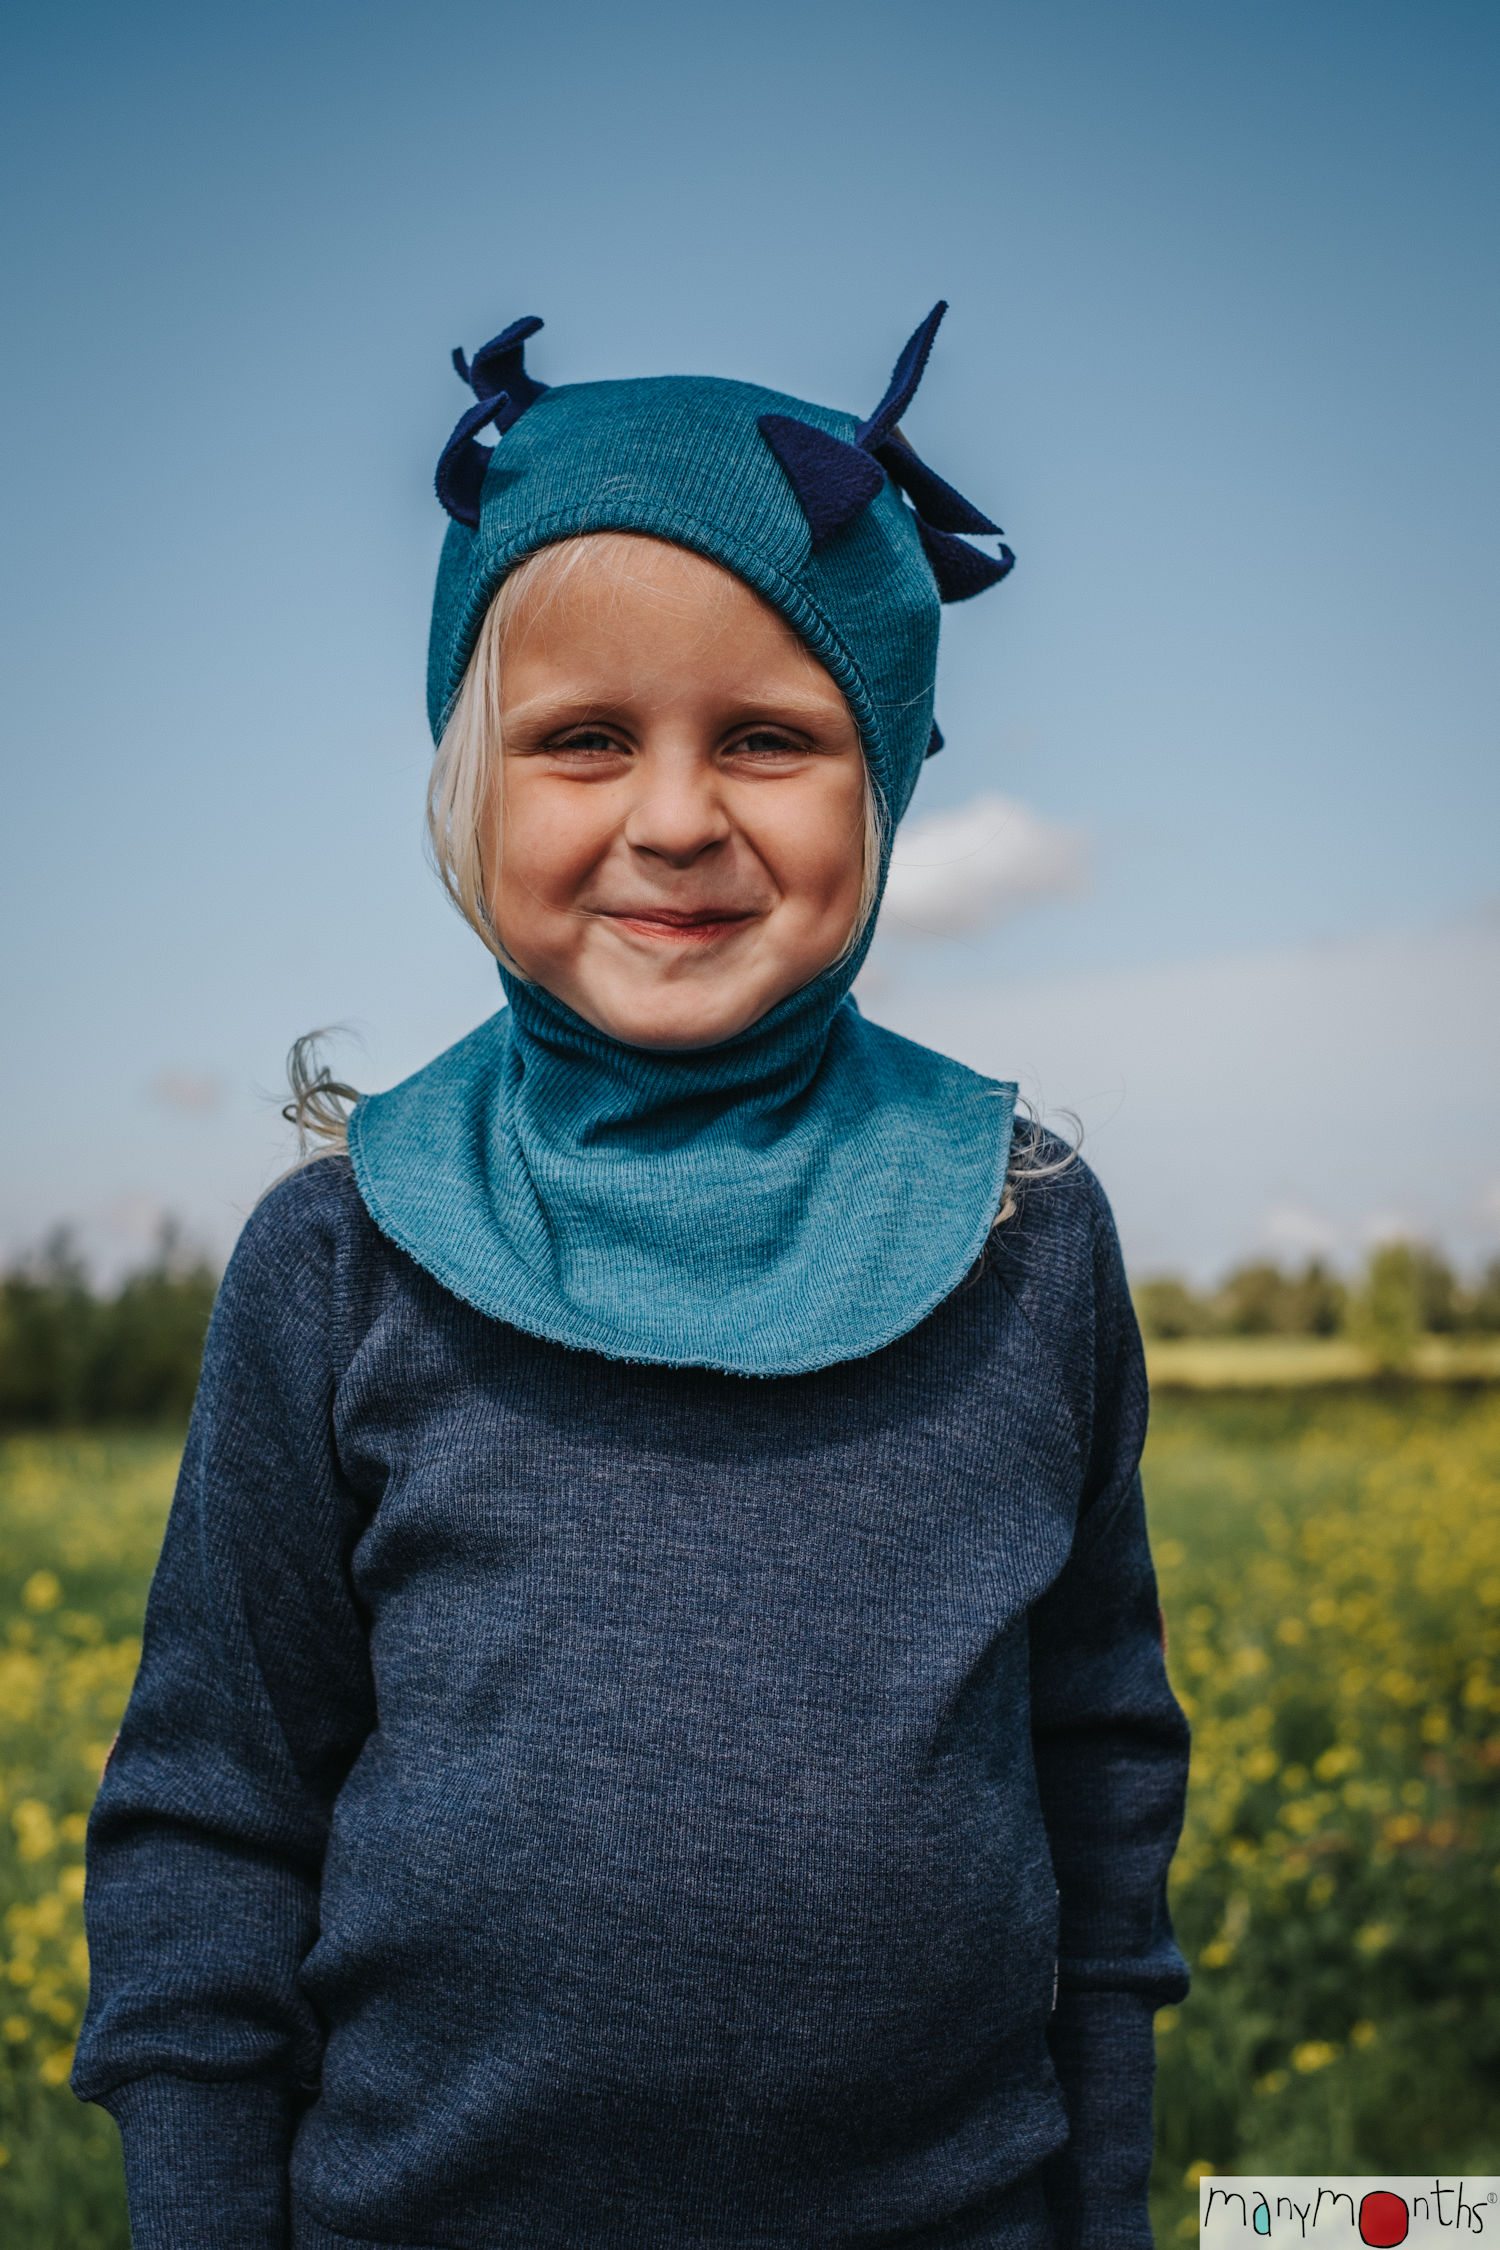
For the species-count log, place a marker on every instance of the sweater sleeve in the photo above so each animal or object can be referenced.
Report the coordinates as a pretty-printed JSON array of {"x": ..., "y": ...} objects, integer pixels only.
[
  {"x": 253, "y": 1698},
  {"x": 1111, "y": 1750}
]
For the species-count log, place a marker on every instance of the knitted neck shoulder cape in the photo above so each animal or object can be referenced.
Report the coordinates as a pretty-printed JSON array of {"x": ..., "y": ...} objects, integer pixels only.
[{"x": 810, "y": 1190}]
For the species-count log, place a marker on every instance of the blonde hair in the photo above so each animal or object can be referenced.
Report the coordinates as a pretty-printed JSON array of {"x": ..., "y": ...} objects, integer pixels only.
[
  {"x": 468, "y": 752},
  {"x": 1031, "y": 1162},
  {"x": 320, "y": 1103}
]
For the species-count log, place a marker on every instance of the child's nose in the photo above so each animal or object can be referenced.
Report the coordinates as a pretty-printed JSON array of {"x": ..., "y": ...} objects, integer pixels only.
[{"x": 678, "y": 814}]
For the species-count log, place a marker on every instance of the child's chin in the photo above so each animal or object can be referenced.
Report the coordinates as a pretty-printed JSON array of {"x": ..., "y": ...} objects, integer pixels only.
[{"x": 677, "y": 1018}]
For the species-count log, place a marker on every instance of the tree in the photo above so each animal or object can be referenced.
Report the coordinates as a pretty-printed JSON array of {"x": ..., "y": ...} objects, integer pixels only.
[
  {"x": 1317, "y": 1301},
  {"x": 1387, "y": 1312},
  {"x": 1166, "y": 1308},
  {"x": 1483, "y": 1309},
  {"x": 70, "y": 1357}
]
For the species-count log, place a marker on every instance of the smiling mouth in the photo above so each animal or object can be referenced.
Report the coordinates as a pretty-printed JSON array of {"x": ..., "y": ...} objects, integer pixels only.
[{"x": 698, "y": 927}]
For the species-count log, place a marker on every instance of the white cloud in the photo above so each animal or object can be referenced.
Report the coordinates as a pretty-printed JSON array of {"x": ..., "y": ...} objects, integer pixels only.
[
  {"x": 192, "y": 1093},
  {"x": 1346, "y": 1086},
  {"x": 953, "y": 872},
  {"x": 1381, "y": 1228},
  {"x": 1298, "y": 1232},
  {"x": 133, "y": 1221}
]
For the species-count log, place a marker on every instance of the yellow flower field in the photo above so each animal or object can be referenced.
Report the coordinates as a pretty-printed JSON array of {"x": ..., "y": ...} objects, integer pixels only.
[
  {"x": 1330, "y": 1569},
  {"x": 80, "y": 1522}
]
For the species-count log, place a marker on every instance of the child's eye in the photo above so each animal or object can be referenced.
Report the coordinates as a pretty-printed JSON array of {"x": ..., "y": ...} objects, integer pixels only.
[
  {"x": 766, "y": 742},
  {"x": 590, "y": 741}
]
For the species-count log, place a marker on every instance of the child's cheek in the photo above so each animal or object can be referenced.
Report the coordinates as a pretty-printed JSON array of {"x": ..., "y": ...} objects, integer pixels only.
[{"x": 552, "y": 837}]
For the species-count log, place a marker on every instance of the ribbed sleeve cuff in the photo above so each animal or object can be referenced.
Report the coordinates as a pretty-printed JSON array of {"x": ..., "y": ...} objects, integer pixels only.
[
  {"x": 1104, "y": 2053},
  {"x": 205, "y": 2165}
]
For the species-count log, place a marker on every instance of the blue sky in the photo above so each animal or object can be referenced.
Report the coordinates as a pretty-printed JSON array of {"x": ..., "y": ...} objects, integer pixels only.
[{"x": 1222, "y": 358}]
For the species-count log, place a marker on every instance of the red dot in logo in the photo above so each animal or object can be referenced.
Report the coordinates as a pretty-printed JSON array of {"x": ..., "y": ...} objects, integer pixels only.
[{"x": 1383, "y": 2219}]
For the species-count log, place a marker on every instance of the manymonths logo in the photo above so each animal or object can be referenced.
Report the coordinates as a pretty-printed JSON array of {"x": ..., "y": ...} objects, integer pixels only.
[{"x": 1339, "y": 2210}]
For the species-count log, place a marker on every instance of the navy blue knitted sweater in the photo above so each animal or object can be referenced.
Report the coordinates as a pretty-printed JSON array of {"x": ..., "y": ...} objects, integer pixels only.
[{"x": 568, "y": 1803}]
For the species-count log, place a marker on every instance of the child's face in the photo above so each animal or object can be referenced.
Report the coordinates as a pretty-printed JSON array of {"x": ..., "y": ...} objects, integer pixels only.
[{"x": 677, "y": 841}]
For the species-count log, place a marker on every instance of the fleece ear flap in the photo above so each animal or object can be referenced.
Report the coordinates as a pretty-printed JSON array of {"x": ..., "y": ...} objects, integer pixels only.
[
  {"x": 833, "y": 481},
  {"x": 500, "y": 365},
  {"x": 934, "y": 500},
  {"x": 961, "y": 570},
  {"x": 462, "y": 463},
  {"x": 504, "y": 390}
]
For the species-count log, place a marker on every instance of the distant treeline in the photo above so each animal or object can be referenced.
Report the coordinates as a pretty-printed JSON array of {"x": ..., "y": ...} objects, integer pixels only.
[
  {"x": 1406, "y": 1291},
  {"x": 72, "y": 1355}
]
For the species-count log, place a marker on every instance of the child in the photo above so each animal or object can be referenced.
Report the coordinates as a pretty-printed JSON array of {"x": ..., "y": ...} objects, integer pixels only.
[{"x": 652, "y": 1729}]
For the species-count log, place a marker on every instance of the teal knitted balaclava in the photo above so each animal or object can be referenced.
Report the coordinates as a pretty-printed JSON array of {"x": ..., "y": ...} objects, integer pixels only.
[{"x": 809, "y": 1190}]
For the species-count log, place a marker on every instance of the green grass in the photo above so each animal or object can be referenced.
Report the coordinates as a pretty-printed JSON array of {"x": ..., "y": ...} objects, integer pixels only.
[
  {"x": 1330, "y": 1568},
  {"x": 1233, "y": 1363}
]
